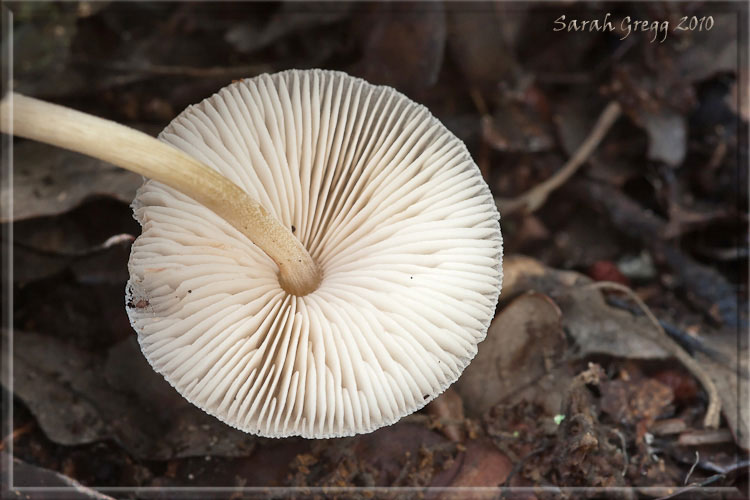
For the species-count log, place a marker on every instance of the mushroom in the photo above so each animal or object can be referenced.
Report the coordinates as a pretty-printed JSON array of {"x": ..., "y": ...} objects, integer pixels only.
[{"x": 404, "y": 245}]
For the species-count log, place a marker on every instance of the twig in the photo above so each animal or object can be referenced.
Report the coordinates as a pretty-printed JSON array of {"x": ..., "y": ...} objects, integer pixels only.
[
  {"x": 533, "y": 199},
  {"x": 183, "y": 71},
  {"x": 723, "y": 254},
  {"x": 706, "y": 288},
  {"x": 688, "y": 342},
  {"x": 721, "y": 469},
  {"x": 626, "y": 460},
  {"x": 694, "y": 486},
  {"x": 690, "y": 472},
  {"x": 116, "y": 240},
  {"x": 713, "y": 412},
  {"x": 705, "y": 437},
  {"x": 17, "y": 433}
]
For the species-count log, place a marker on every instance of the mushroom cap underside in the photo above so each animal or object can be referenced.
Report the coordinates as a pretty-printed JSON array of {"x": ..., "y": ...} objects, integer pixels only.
[{"x": 389, "y": 204}]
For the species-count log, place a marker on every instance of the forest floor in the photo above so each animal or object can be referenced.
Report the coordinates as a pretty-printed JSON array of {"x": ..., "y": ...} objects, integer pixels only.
[{"x": 618, "y": 357}]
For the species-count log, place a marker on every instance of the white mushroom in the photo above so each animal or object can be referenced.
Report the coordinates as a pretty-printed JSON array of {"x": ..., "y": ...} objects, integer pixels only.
[
  {"x": 390, "y": 206},
  {"x": 367, "y": 312}
]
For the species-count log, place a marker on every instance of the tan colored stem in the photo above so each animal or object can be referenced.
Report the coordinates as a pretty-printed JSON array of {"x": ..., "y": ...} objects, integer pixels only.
[{"x": 142, "y": 154}]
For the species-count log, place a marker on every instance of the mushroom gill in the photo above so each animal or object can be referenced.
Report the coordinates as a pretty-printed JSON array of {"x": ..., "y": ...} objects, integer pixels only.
[{"x": 389, "y": 205}]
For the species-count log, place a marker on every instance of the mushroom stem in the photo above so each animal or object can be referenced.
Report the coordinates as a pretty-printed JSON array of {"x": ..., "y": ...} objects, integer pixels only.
[{"x": 142, "y": 154}]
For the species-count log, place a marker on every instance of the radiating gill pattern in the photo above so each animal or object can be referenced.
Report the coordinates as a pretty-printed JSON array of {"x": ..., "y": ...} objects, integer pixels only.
[{"x": 387, "y": 201}]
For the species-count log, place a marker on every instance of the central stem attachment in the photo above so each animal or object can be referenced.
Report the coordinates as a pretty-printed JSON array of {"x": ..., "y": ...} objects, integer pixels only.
[{"x": 142, "y": 154}]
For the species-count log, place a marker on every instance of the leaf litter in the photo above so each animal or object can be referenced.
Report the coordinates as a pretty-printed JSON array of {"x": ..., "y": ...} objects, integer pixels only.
[{"x": 568, "y": 389}]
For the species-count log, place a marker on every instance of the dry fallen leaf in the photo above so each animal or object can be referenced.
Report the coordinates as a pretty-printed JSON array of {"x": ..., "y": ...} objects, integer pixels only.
[
  {"x": 478, "y": 47},
  {"x": 707, "y": 53},
  {"x": 598, "y": 328},
  {"x": 524, "y": 342},
  {"x": 595, "y": 326},
  {"x": 24, "y": 475},
  {"x": 483, "y": 465},
  {"x": 255, "y": 33},
  {"x": 448, "y": 409},
  {"x": 77, "y": 398},
  {"x": 633, "y": 400},
  {"x": 50, "y": 181},
  {"x": 731, "y": 382},
  {"x": 403, "y": 47}
]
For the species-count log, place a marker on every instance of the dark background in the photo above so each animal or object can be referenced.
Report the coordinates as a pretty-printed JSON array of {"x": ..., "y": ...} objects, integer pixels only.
[{"x": 660, "y": 206}]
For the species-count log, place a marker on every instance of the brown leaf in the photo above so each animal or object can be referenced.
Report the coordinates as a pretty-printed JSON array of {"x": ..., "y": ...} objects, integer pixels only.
[
  {"x": 707, "y": 53},
  {"x": 596, "y": 327},
  {"x": 517, "y": 127},
  {"x": 78, "y": 397},
  {"x": 96, "y": 248},
  {"x": 257, "y": 33},
  {"x": 731, "y": 381},
  {"x": 384, "y": 448},
  {"x": 704, "y": 437},
  {"x": 404, "y": 44},
  {"x": 524, "y": 342},
  {"x": 49, "y": 180},
  {"x": 483, "y": 465},
  {"x": 668, "y": 426},
  {"x": 44, "y": 482},
  {"x": 683, "y": 385},
  {"x": 477, "y": 45},
  {"x": 629, "y": 401},
  {"x": 448, "y": 408}
]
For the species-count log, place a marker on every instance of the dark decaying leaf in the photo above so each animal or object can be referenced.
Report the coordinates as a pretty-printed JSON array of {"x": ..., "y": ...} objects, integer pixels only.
[
  {"x": 704, "y": 285},
  {"x": 629, "y": 401},
  {"x": 477, "y": 44},
  {"x": 49, "y": 180},
  {"x": 596, "y": 327},
  {"x": 524, "y": 343},
  {"x": 96, "y": 249},
  {"x": 79, "y": 398},
  {"x": 616, "y": 160},
  {"x": 709, "y": 52},
  {"x": 42, "y": 37},
  {"x": 448, "y": 410},
  {"x": 404, "y": 454},
  {"x": 55, "y": 381},
  {"x": 47, "y": 484},
  {"x": 516, "y": 127},
  {"x": 732, "y": 383},
  {"x": 267, "y": 467},
  {"x": 403, "y": 44},
  {"x": 254, "y": 34},
  {"x": 483, "y": 465}
]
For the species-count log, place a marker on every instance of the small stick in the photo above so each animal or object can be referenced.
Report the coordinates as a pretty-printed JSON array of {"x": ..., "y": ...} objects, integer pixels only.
[
  {"x": 706, "y": 287},
  {"x": 690, "y": 472},
  {"x": 142, "y": 154},
  {"x": 626, "y": 460},
  {"x": 688, "y": 342},
  {"x": 533, "y": 199},
  {"x": 187, "y": 71},
  {"x": 713, "y": 412},
  {"x": 17, "y": 433}
]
